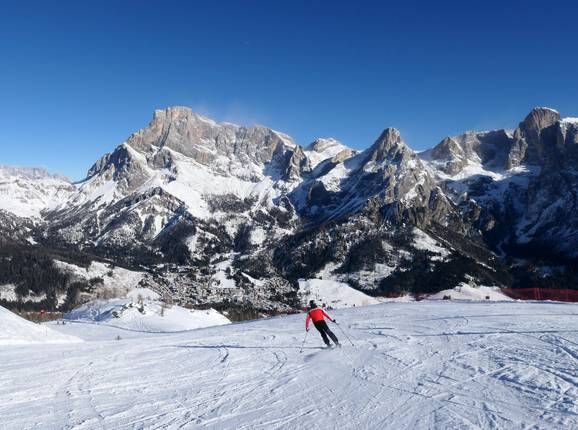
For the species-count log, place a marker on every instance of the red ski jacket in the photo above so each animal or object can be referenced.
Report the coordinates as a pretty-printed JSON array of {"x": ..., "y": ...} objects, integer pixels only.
[{"x": 316, "y": 315}]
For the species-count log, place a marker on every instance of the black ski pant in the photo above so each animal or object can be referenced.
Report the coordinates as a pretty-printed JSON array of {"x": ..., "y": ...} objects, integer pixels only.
[{"x": 322, "y": 328}]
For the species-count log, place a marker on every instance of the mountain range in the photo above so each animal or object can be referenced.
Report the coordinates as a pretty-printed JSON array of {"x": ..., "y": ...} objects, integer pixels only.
[{"x": 233, "y": 216}]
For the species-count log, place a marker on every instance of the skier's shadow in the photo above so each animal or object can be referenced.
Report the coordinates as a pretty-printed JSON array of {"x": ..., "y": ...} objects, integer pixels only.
[{"x": 241, "y": 347}]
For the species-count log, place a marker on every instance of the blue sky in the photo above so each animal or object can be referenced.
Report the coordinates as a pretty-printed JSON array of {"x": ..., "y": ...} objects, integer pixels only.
[{"x": 76, "y": 78}]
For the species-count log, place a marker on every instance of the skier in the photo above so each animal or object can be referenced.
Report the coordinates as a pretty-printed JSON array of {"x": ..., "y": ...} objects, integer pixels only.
[{"x": 318, "y": 316}]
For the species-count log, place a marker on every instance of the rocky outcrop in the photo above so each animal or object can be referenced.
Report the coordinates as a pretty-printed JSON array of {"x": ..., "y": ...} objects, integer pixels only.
[
  {"x": 297, "y": 166},
  {"x": 201, "y": 139},
  {"x": 520, "y": 188},
  {"x": 533, "y": 135},
  {"x": 489, "y": 149}
]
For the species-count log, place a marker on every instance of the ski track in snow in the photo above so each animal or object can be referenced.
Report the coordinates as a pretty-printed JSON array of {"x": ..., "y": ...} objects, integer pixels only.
[{"x": 420, "y": 365}]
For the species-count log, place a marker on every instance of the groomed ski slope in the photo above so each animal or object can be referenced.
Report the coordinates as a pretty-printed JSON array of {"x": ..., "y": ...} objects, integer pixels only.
[{"x": 416, "y": 365}]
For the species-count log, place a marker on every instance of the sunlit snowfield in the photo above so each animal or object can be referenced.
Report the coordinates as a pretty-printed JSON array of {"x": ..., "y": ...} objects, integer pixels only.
[{"x": 426, "y": 365}]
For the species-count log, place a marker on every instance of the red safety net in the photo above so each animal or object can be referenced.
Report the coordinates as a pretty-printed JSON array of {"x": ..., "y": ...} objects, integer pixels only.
[{"x": 555, "y": 294}]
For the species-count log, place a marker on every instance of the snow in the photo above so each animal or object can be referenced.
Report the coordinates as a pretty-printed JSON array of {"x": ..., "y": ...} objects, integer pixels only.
[
  {"x": 7, "y": 292},
  {"x": 332, "y": 179},
  {"x": 546, "y": 108},
  {"x": 191, "y": 243},
  {"x": 258, "y": 236},
  {"x": 425, "y": 242},
  {"x": 469, "y": 292},
  {"x": 195, "y": 181},
  {"x": 501, "y": 180},
  {"x": 323, "y": 149},
  {"x": 220, "y": 279},
  {"x": 569, "y": 120},
  {"x": 116, "y": 278},
  {"x": 287, "y": 140},
  {"x": 96, "y": 190},
  {"x": 146, "y": 315},
  {"x": 369, "y": 278},
  {"x": 18, "y": 331},
  {"x": 471, "y": 169},
  {"x": 334, "y": 294},
  {"x": 418, "y": 365},
  {"x": 254, "y": 281},
  {"x": 26, "y": 192},
  {"x": 412, "y": 193}
]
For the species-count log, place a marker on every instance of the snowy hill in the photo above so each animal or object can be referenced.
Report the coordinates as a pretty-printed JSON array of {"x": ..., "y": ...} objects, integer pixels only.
[
  {"x": 467, "y": 292},
  {"x": 332, "y": 294},
  {"x": 18, "y": 331},
  {"x": 418, "y": 365},
  {"x": 144, "y": 314}
]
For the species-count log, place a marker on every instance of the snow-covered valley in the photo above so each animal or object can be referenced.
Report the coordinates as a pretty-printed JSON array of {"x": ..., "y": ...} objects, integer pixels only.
[{"x": 415, "y": 365}]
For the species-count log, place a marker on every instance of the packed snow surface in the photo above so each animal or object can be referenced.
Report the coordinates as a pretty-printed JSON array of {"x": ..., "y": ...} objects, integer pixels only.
[
  {"x": 416, "y": 365},
  {"x": 333, "y": 294},
  {"x": 18, "y": 331}
]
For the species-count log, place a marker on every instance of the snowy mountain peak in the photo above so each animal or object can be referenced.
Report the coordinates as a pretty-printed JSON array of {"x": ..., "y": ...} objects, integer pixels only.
[
  {"x": 389, "y": 146},
  {"x": 538, "y": 119},
  {"x": 448, "y": 148},
  {"x": 180, "y": 113},
  {"x": 324, "y": 149},
  {"x": 545, "y": 109},
  {"x": 33, "y": 173},
  {"x": 569, "y": 120},
  {"x": 323, "y": 144},
  {"x": 181, "y": 130},
  {"x": 530, "y": 135},
  {"x": 26, "y": 192},
  {"x": 486, "y": 149}
]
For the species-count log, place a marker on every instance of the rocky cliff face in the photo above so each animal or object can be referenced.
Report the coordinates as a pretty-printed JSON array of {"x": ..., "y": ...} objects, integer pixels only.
[
  {"x": 221, "y": 213},
  {"x": 518, "y": 187}
]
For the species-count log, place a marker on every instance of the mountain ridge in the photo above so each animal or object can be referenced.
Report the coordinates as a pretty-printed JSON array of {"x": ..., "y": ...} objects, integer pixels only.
[{"x": 249, "y": 207}]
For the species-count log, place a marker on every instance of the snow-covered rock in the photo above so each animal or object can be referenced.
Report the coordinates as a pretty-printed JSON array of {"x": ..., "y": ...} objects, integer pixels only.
[
  {"x": 325, "y": 149},
  {"x": 425, "y": 242}
]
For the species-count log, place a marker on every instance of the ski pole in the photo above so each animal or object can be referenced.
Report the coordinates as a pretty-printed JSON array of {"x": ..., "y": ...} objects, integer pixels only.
[
  {"x": 304, "y": 339},
  {"x": 345, "y": 334}
]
